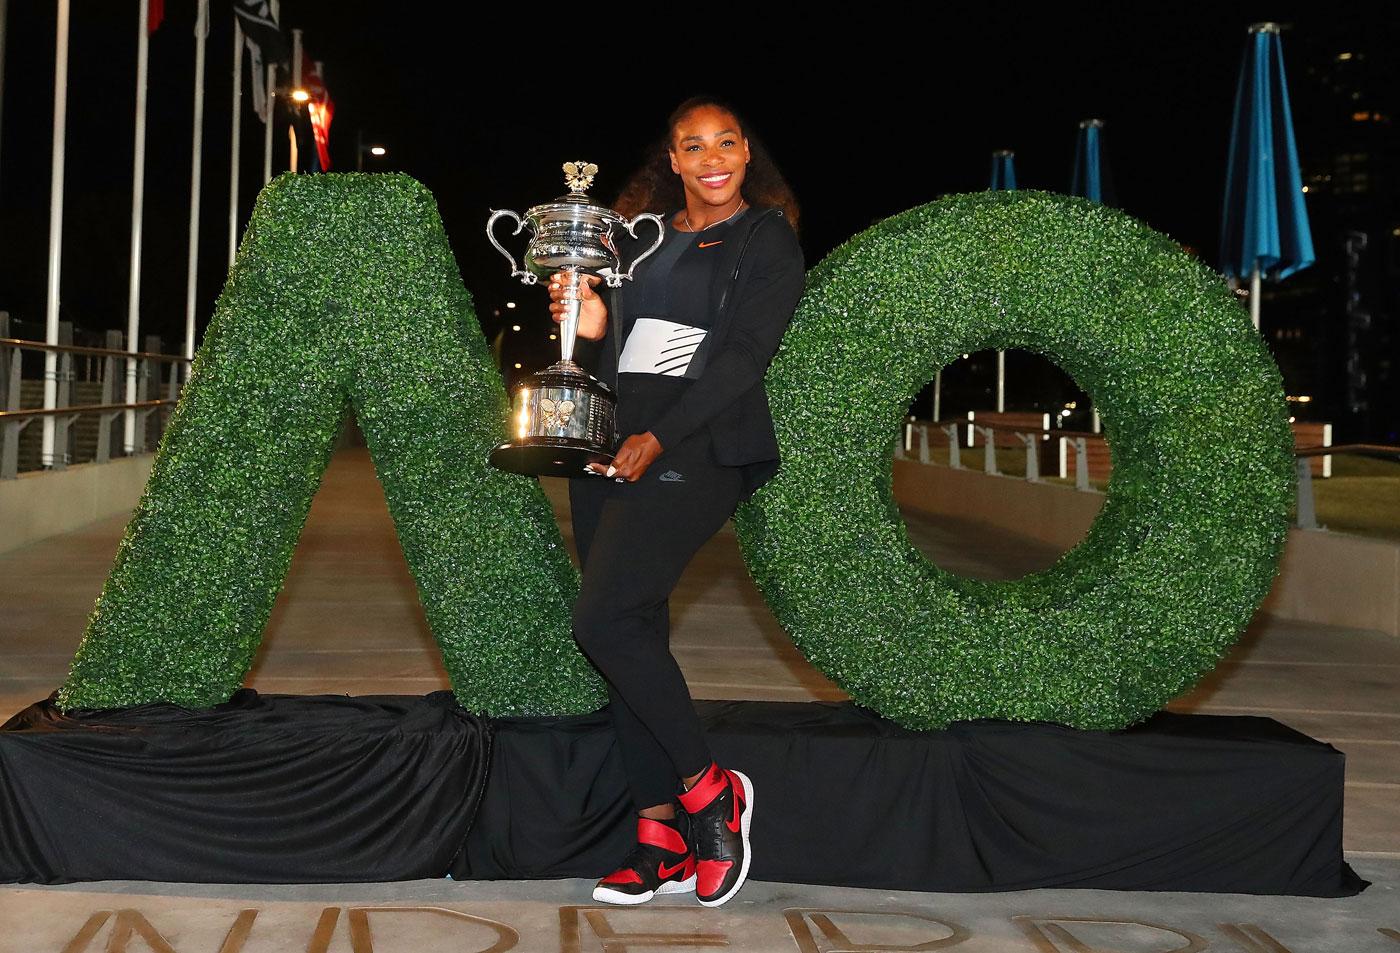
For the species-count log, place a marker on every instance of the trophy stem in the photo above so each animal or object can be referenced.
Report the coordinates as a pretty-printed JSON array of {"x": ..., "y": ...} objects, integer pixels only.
[{"x": 568, "y": 327}]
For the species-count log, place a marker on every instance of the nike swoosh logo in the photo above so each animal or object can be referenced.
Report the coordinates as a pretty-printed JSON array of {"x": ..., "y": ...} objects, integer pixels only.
[
  {"x": 665, "y": 872},
  {"x": 733, "y": 824},
  {"x": 709, "y": 244}
]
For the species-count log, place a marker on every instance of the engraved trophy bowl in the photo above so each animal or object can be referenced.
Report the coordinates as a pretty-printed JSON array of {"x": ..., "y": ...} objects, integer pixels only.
[{"x": 563, "y": 418}]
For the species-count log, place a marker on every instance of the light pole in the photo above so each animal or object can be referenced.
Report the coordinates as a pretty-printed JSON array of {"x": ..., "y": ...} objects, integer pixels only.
[{"x": 361, "y": 150}]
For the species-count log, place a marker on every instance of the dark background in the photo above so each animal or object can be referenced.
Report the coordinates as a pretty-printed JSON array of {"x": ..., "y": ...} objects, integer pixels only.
[{"x": 867, "y": 115}]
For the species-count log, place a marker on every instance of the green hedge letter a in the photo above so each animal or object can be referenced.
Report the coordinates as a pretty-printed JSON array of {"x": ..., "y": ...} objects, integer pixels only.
[{"x": 345, "y": 295}]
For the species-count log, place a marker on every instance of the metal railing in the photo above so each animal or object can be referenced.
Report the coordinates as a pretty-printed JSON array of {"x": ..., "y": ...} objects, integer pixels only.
[
  {"x": 1030, "y": 438},
  {"x": 1306, "y": 517},
  {"x": 115, "y": 362},
  {"x": 918, "y": 432}
]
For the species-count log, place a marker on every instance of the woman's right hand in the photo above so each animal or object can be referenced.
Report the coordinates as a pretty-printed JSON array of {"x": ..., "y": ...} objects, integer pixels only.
[{"x": 592, "y": 312}]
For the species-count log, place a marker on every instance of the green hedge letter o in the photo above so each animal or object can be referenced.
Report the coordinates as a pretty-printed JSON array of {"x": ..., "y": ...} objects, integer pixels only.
[{"x": 1196, "y": 512}]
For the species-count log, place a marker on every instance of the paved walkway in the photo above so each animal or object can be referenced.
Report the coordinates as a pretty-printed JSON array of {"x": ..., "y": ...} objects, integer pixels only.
[{"x": 348, "y": 621}]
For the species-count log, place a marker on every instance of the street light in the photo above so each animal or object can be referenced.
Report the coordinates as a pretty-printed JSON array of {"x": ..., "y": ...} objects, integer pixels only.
[
  {"x": 300, "y": 96},
  {"x": 361, "y": 149}
]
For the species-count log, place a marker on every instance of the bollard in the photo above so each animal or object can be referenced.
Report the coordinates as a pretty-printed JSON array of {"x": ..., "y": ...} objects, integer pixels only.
[
  {"x": 1032, "y": 442},
  {"x": 989, "y": 453},
  {"x": 1307, "y": 511},
  {"x": 1081, "y": 464},
  {"x": 954, "y": 450}
]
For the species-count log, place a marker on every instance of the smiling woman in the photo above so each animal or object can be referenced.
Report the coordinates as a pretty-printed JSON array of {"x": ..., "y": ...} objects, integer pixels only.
[{"x": 686, "y": 346}]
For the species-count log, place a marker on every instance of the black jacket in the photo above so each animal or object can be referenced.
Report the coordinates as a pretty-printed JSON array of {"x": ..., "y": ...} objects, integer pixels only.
[{"x": 755, "y": 307}]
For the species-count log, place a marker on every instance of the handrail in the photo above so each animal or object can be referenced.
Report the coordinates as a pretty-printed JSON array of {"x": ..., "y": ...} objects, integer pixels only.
[
  {"x": 1305, "y": 512},
  {"x": 6, "y": 415},
  {"x": 1009, "y": 428},
  {"x": 1346, "y": 448},
  {"x": 91, "y": 351}
]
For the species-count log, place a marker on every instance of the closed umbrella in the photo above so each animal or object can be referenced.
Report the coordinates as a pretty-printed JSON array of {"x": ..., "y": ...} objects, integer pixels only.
[
  {"x": 1264, "y": 229},
  {"x": 1090, "y": 178},
  {"x": 1003, "y": 170}
]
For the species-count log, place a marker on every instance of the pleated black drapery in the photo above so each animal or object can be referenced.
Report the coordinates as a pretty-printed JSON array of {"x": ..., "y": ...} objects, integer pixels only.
[
  {"x": 842, "y": 796},
  {"x": 273, "y": 789},
  {"x": 263, "y": 789}
]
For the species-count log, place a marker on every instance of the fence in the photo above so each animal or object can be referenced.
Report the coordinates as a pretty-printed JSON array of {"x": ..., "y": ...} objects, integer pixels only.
[
  {"x": 1090, "y": 453},
  {"x": 89, "y": 382}
]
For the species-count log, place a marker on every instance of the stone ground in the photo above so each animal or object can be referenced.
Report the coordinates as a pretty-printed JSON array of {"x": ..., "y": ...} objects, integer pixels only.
[{"x": 348, "y": 621}]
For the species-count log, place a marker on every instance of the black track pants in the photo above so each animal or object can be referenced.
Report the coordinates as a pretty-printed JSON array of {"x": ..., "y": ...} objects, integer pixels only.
[{"x": 634, "y": 540}]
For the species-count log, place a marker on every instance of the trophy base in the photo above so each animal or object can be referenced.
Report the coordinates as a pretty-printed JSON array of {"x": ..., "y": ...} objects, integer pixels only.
[{"x": 543, "y": 456}]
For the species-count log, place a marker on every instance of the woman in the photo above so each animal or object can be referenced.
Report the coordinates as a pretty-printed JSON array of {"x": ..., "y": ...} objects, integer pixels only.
[{"x": 687, "y": 346}]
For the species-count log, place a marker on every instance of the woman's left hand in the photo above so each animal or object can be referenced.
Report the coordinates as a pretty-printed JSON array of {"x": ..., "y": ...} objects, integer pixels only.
[{"x": 632, "y": 459}]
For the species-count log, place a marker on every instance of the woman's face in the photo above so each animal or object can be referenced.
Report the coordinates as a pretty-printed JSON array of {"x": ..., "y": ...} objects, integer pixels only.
[{"x": 710, "y": 154}]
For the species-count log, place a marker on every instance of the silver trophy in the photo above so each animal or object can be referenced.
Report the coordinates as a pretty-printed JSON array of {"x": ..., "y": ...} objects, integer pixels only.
[{"x": 562, "y": 416}]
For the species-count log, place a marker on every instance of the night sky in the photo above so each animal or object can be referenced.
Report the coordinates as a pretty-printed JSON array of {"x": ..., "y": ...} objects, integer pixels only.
[{"x": 867, "y": 116}]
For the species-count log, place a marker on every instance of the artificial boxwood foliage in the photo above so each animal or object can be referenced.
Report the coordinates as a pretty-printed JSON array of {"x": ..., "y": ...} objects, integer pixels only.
[
  {"x": 1196, "y": 513},
  {"x": 344, "y": 294}
]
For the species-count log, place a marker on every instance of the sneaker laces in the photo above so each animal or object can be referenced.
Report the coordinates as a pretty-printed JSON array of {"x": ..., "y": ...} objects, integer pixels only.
[{"x": 708, "y": 828}]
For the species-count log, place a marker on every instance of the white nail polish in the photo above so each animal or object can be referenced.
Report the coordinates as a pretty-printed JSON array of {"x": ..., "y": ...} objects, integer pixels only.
[{"x": 612, "y": 470}]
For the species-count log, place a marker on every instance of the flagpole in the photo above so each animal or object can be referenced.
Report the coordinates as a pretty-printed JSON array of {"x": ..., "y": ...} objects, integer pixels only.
[
  {"x": 1254, "y": 295},
  {"x": 275, "y": 7},
  {"x": 235, "y": 141},
  {"x": 293, "y": 160},
  {"x": 138, "y": 196},
  {"x": 267, "y": 125},
  {"x": 1001, "y": 381},
  {"x": 201, "y": 33},
  {"x": 60, "y": 118},
  {"x": 4, "y": 19}
]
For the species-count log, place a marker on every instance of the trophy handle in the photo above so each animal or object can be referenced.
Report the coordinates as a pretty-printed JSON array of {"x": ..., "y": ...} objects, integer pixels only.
[
  {"x": 525, "y": 276},
  {"x": 615, "y": 281}
]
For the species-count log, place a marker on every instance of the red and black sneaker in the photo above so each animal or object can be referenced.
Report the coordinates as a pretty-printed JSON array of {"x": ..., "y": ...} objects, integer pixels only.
[
  {"x": 660, "y": 863},
  {"x": 720, "y": 806}
]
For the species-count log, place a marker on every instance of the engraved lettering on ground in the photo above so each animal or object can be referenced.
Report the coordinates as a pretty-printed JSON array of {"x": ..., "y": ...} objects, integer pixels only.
[
  {"x": 133, "y": 922},
  {"x": 1252, "y": 938},
  {"x": 1050, "y": 935},
  {"x": 836, "y": 940},
  {"x": 362, "y": 941},
  {"x": 88, "y": 930},
  {"x": 325, "y": 929},
  {"x": 571, "y": 939}
]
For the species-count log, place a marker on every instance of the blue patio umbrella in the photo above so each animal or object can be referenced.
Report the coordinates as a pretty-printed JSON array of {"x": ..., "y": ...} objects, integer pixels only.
[
  {"x": 1003, "y": 180},
  {"x": 1264, "y": 229},
  {"x": 1090, "y": 178},
  {"x": 1003, "y": 170}
]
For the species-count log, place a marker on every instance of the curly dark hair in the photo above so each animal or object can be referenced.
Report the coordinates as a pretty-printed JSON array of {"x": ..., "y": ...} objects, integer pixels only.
[{"x": 655, "y": 188}]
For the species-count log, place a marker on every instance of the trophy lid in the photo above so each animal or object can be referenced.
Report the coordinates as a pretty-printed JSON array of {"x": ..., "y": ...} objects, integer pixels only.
[{"x": 578, "y": 175}]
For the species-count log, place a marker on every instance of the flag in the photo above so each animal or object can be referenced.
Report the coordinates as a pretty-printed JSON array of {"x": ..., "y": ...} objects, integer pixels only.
[
  {"x": 155, "y": 13},
  {"x": 266, "y": 44},
  {"x": 320, "y": 108}
]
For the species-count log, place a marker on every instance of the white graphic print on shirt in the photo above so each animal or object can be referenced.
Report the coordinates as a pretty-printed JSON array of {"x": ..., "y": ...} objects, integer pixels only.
[{"x": 655, "y": 346}]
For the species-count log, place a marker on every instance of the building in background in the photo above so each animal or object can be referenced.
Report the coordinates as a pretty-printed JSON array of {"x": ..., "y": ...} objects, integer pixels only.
[{"x": 1335, "y": 328}]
